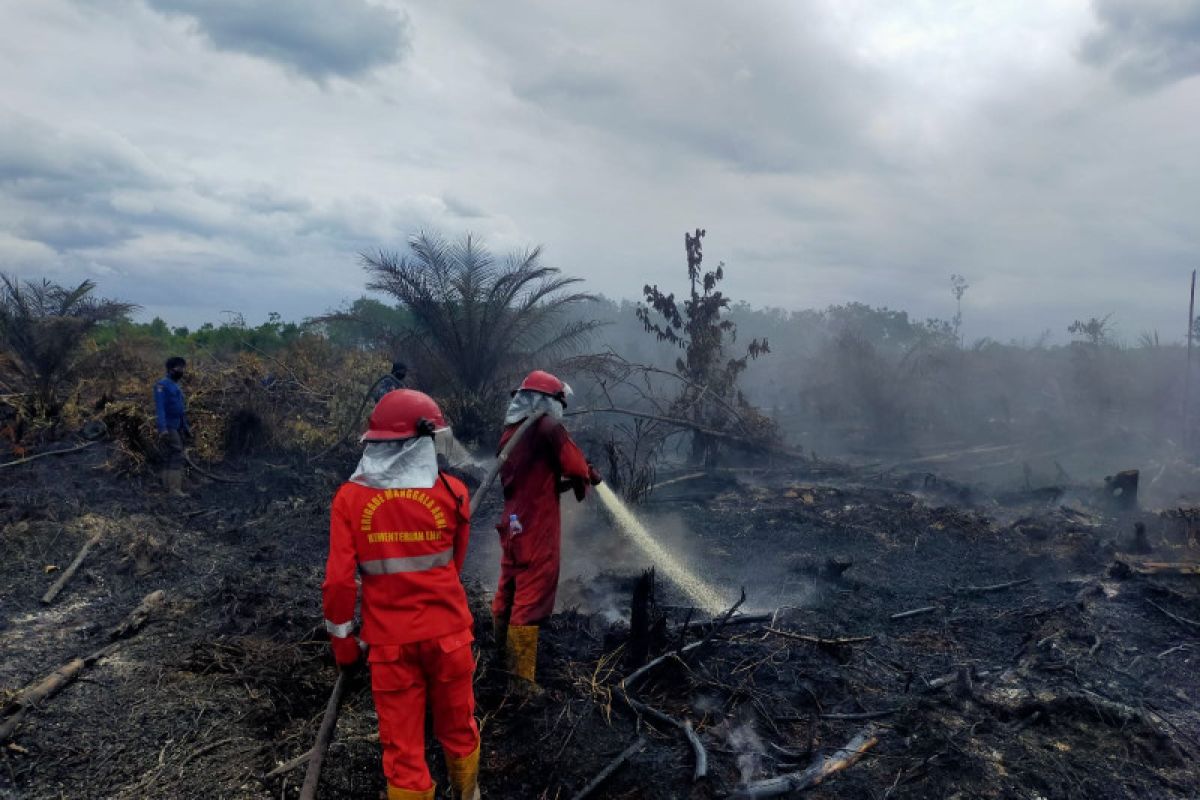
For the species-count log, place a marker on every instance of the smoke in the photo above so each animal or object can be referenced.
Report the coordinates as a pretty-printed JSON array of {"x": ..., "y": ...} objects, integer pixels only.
[
  {"x": 874, "y": 386},
  {"x": 748, "y": 748}
]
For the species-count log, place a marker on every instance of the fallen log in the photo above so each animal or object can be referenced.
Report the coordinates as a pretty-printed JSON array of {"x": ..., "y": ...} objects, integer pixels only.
[
  {"x": 816, "y": 774},
  {"x": 610, "y": 768},
  {"x": 324, "y": 736},
  {"x": 1167, "y": 568},
  {"x": 46, "y": 688},
  {"x": 137, "y": 618},
  {"x": 69, "y": 572},
  {"x": 34, "y": 694}
]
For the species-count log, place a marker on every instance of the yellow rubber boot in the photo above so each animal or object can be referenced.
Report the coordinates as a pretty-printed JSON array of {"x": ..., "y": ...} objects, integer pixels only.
[
  {"x": 396, "y": 793},
  {"x": 464, "y": 776},
  {"x": 521, "y": 658}
]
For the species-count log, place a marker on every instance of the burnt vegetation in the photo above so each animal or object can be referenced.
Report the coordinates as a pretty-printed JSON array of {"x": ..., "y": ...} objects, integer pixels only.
[{"x": 969, "y": 568}]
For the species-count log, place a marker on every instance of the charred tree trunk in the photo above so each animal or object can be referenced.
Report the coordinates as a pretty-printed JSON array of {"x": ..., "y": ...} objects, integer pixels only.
[
  {"x": 1122, "y": 490},
  {"x": 639, "y": 619}
]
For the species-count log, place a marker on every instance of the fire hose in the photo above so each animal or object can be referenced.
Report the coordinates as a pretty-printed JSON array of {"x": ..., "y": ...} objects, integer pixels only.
[{"x": 316, "y": 755}]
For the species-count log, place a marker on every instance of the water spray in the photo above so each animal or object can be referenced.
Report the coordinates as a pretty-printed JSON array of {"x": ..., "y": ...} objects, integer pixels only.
[{"x": 699, "y": 591}]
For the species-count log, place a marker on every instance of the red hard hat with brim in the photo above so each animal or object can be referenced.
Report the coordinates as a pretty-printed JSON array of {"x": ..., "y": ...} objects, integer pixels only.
[
  {"x": 544, "y": 382},
  {"x": 403, "y": 414}
]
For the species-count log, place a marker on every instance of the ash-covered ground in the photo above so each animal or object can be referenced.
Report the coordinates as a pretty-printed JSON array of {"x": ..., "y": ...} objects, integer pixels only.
[{"x": 1075, "y": 678}]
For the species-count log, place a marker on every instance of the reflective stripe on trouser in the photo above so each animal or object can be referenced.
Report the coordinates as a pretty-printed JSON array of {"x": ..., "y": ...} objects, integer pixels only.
[
  {"x": 423, "y": 672},
  {"x": 391, "y": 566},
  {"x": 339, "y": 629},
  {"x": 521, "y": 653},
  {"x": 394, "y": 793}
]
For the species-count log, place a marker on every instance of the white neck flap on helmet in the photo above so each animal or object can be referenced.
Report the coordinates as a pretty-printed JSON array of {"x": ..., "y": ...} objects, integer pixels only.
[
  {"x": 526, "y": 402},
  {"x": 403, "y": 464}
]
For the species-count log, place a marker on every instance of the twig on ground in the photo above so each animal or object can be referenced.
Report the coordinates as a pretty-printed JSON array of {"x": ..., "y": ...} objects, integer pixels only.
[
  {"x": 995, "y": 587},
  {"x": 324, "y": 736},
  {"x": 288, "y": 766},
  {"x": 913, "y": 613},
  {"x": 1187, "y": 623},
  {"x": 626, "y": 686},
  {"x": 1177, "y": 648},
  {"x": 610, "y": 768},
  {"x": 887, "y": 712},
  {"x": 211, "y": 476},
  {"x": 835, "y": 642},
  {"x": 63, "y": 452},
  {"x": 816, "y": 774},
  {"x": 721, "y": 623},
  {"x": 745, "y": 619}
]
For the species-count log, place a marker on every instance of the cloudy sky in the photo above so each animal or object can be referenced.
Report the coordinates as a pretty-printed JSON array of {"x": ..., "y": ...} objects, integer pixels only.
[{"x": 201, "y": 156}]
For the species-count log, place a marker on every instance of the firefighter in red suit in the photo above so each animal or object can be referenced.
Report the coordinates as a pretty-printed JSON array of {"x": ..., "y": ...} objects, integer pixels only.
[
  {"x": 401, "y": 526},
  {"x": 543, "y": 463}
]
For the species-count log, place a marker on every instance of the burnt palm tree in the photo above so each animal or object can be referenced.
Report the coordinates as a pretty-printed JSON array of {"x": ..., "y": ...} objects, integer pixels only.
[
  {"x": 477, "y": 322},
  {"x": 42, "y": 330}
]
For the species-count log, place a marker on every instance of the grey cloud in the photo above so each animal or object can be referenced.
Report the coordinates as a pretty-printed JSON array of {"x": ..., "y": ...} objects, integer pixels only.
[
  {"x": 317, "y": 38},
  {"x": 1145, "y": 44},
  {"x": 73, "y": 232},
  {"x": 90, "y": 190},
  {"x": 36, "y": 159},
  {"x": 462, "y": 209},
  {"x": 772, "y": 98}
]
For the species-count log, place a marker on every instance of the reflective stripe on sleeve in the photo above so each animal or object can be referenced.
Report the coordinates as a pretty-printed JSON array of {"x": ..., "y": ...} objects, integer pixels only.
[
  {"x": 340, "y": 630},
  {"x": 391, "y": 566}
]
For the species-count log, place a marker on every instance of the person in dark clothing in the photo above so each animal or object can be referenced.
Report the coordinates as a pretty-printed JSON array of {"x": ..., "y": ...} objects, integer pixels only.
[
  {"x": 391, "y": 382},
  {"x": 170, "y": 410}
]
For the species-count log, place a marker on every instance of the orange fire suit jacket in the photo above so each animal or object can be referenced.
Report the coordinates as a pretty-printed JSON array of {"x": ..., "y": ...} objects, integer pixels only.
[{"x": 408, "y": 546}]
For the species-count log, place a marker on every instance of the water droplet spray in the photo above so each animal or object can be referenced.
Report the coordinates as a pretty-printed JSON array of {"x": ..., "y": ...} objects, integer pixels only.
[{"x": 700, "y": 592}]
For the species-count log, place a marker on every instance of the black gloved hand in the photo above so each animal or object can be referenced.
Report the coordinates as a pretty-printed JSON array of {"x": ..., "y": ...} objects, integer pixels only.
[{"x": 594, "y": 475}]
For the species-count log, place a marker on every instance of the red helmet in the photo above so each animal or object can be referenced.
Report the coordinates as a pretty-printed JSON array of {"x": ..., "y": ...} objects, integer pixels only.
[
  {"x": 403, "y": 414},
  {"x": 544, "y": 382}
]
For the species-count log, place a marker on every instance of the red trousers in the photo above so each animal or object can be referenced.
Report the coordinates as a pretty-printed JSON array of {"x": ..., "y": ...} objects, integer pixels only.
[
  {"x": 527, "y": 588},
  {"x": 404, "y": 678}
]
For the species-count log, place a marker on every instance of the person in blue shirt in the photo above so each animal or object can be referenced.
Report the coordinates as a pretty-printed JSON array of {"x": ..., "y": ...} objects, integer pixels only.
[
  {"x": 171, "y": 419},
  {"x": 389, "y": 383}
]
